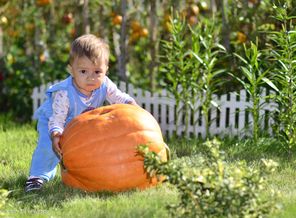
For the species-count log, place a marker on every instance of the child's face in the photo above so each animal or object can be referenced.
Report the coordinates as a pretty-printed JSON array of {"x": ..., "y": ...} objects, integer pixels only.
[{"x": 87, "y": 75}]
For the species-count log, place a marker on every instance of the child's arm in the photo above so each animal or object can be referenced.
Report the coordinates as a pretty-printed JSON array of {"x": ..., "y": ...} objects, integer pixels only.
[
  {"x": 115, "y": 96},
  {"x": 55, "y": 138},
  {"x": 57, "y": 121}
]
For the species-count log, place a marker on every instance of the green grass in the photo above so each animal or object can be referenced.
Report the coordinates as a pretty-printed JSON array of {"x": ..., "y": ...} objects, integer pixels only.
[
  {"x": 284, "y": 181},
  {"x": 17, "y": 142}
]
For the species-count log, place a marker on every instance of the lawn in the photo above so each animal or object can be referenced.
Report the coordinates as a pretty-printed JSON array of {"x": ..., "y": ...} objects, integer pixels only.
[{"x": 17, "y": 143}]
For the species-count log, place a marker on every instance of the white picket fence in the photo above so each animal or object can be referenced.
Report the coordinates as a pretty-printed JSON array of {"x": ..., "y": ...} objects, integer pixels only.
[{"x": 232, "y": 117}]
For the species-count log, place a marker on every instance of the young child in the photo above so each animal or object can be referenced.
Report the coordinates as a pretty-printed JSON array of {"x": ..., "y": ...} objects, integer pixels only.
[{"x": 85, "y": 89}]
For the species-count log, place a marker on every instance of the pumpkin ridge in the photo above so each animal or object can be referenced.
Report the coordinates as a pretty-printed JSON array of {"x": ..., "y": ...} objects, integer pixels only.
[
  {"x": 113, "y": 138},
  {"x": 125, "y": 150},
  {"x": 87, "y": 180},
  {"x": 73, "y": 178},
  {"x": 129, "y": 177},
  {"x": 99, "y": 111},
  {"x": 85, "y": 132},
  {"x": 119, "y": 161}
]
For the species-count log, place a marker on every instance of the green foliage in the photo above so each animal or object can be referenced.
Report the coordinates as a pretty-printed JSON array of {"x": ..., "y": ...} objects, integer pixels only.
[
  {"x": 248, "y": 18},
  {"x": 188, "y": 68},
  {"x": 282, "y": 54},
  {"x": 177, "y": 70},
  {"x": 36, "y": 47},
  {"x": 253, "y": 81},
  {"x": 207, "y": 51},
  {"x": 212, "y": 188},
  {"x": 35, "y": 53}
]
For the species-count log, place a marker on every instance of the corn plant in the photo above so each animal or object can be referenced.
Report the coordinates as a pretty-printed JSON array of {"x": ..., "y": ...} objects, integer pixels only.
[
  {"x": 188, "y": 67},
  {"x": 177, "y": 70},
  {"x": 253, "y": 77},
  {"x": 206, "y": 51},
  {"x": 282, "y": 54}
]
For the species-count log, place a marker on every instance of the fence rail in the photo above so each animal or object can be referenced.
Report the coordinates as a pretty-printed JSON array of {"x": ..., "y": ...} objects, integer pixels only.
[{"x": 232, "y": 117}]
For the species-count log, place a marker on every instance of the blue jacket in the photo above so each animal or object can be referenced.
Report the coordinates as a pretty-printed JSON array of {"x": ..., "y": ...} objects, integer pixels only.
[{"x": 76, "y": 105}]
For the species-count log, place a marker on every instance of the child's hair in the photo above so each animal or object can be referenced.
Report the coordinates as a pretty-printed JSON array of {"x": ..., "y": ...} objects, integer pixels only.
[{"x": 92, "y": 47}]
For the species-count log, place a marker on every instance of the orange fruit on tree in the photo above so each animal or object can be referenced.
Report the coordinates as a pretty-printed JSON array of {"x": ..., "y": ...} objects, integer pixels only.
[
  {"x": 43, "y": 2},
  {"x": 192, "y": 20},
  {"x": 68, "y": 18},
  {"x": 144, "y": 32},
  {"x": 42, "y": 58},
  {"x": 136, "y": 26},
  {"x": 134, "y": 37},
  {"x": 117, "y": 19},
  {"x": 241, "y": 37},
  {"x": 194, "y": 9}
]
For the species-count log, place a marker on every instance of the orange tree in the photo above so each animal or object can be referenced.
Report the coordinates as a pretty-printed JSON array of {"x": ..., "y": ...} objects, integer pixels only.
[
  {"x": 246, "y": 21},
  {"x": 37, "y": 36}
]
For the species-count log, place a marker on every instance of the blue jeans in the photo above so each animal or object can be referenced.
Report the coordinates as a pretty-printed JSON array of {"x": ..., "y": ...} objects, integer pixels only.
[{"x": 44, "y": 160}]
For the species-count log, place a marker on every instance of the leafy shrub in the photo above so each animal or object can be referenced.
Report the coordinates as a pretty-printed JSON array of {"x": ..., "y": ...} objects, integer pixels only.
[{"x": 209, "y": 187}]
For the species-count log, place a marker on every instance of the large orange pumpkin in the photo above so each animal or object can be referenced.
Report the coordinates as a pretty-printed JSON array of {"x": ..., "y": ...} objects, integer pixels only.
[{"x": 100, "y": 148}]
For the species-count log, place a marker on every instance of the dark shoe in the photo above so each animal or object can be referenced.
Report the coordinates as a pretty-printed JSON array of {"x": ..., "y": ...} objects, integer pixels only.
[{"x": 33, "y": 184}]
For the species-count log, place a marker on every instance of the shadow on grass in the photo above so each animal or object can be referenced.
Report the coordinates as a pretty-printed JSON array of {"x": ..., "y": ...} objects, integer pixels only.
[{"x": 52, "y": 195}]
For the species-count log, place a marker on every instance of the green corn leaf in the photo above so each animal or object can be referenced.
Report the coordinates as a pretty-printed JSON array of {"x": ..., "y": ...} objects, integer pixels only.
[
  {"x": 197, "y": 57},
  {"x": 283, "y": 65},
  {"x": 270, "y": 83},
  {"x": 214, "y": 103},
  {"x": 241, "y": 58},
  {"x": 247, "y": 74}
]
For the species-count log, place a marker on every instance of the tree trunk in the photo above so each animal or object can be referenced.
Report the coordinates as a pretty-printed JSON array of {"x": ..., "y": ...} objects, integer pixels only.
[
  {"x": 213, "y": 6},
  {"x": 100, "y": 28},
  {"x": 246, "y": 3},
  {"x": 153, "y": 44},
  {"x": 86, "y": 26},
  {"x": 1, "y": 43},
  {"x": 122, "y": 57},
  {"x": 175, "y": 4},
  {"x": 52, "y": 22},
  {"x": 225, "y": 28}
]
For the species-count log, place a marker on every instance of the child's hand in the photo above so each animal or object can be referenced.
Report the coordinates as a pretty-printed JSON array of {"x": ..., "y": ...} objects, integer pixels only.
[{"x": 55, "y": 138}]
